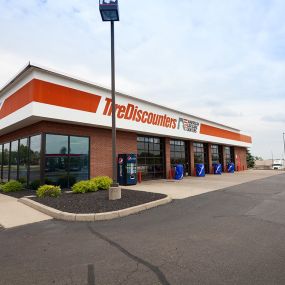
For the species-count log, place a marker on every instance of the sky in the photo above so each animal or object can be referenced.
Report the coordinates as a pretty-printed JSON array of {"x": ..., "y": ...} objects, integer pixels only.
[{"x": 218, "y": 59}]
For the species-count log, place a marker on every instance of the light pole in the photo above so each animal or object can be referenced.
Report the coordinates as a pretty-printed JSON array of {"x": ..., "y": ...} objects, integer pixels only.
[{"x": 109, "y": 10}]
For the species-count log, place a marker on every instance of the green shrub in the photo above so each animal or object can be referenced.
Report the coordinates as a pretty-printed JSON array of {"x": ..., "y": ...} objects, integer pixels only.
[
  {"x": 35, "y": 184},
  {"x": 12, "y": 186},
  {"x": 103, "y": 182},
  {"x": 48, "y": 191},
  {"x": 84, "y": 186}
]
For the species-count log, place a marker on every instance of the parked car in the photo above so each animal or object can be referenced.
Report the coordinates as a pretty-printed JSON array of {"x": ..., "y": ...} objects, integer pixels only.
[{"x": 278, "y": 164}]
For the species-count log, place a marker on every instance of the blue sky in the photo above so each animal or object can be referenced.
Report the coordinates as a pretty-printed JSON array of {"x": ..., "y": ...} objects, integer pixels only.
[{"x": 222, "y": 60}]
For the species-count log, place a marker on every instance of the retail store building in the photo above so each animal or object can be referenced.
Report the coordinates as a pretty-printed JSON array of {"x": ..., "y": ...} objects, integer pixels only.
[{"x": 57, "y": 128}]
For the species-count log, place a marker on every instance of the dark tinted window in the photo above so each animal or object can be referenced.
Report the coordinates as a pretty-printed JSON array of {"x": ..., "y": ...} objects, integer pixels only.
[
  {"x": 1, "y": 161},
  {"x": 14, "y": 160},
  {"x": 79, "y": 159},
  {"x": 23, "y": 160},
  {"x": 56, "y": 160},
  {"x": 6, "y": 152},
  {"x": 150, "y": 157},
  {"x": 179, "y": 154},
  {"x": 35, "y": 152},
  {"x": 66, "y": 159},
  {"x": 215, "y": 154}
]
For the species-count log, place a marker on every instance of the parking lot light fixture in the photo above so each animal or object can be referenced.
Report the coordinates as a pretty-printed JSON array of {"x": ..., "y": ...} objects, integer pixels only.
[{"x": 109, "y": 11}]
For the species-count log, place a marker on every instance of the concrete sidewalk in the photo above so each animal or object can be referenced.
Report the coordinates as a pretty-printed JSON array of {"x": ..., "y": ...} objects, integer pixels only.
[
  {"x": 192, "y": 186},
  {"x": 13, "y": 213}
]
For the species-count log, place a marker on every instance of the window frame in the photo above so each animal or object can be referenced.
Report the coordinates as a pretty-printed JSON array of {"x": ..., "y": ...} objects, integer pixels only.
[{"x": 68, "y": 154}]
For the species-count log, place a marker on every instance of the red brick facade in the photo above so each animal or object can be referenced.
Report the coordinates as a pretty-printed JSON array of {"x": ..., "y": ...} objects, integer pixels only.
[
  {"x": 101, "y": 148},
  {"x": 240, "y": 158},
  {"x": 100, "y": 142}
]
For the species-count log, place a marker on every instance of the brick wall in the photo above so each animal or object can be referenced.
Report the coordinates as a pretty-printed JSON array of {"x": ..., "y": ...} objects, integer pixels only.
[
  {"x": 224, "y": 160},
  {"x": 167, "y": 157},
  {"x": 100, "y": 142},
  {"x": 191, "y": 159},
  {"x": 101, "y": 145},
  {"x": 240, "y": 158},
  {"x": 211, "y": 169}
]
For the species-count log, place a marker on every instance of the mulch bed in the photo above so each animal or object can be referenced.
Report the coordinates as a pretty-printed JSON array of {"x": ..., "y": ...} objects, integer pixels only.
[
  {"x": 98, "y": 202},
  {"x": 20, "y": 194}
]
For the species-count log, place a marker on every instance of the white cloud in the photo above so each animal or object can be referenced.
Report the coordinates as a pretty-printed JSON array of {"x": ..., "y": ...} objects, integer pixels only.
[{"x": 219, "y": 59}]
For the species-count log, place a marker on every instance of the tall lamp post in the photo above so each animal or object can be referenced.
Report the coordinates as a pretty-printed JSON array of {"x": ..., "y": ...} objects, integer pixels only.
[{"x": 109, "y": 10}]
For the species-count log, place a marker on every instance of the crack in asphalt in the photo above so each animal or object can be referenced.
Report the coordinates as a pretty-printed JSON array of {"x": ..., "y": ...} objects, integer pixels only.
[
  {"x": 129, "y": 274},
  {"x": 155, "y": 269},
  {"x": 91, "y": 274}
]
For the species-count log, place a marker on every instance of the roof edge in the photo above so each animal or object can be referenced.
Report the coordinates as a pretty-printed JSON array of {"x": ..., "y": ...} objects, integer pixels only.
[{"x": 82, "y": 81}]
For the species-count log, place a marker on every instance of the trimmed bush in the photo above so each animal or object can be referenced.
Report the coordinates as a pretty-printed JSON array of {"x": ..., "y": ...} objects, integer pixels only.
[
  {"x": 48, "y": 191},
  {"x": 12, "y": 186},
  {"x": 103, "y": 182},
  {"x": 84, "y": 186}
]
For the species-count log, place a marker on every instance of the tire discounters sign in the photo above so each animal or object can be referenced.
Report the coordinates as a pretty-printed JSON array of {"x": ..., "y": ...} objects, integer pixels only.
[{"x": 132, "y": 112}]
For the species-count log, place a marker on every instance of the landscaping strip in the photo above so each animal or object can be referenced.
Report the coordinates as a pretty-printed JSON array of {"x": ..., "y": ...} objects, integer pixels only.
[
  {"x": 92, "y": 217},
  {"x": 97, "y": 202}
]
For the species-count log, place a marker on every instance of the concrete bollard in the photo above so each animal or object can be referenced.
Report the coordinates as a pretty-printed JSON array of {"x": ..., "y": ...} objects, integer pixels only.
[{"x": 115, "y": 193}]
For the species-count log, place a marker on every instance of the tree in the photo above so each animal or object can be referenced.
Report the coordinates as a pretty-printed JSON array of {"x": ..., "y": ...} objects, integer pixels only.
[{"x": 249, "y": 159}]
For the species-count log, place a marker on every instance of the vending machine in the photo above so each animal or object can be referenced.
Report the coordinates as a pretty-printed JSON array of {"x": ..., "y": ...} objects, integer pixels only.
[{"x": 127, "y": 169}]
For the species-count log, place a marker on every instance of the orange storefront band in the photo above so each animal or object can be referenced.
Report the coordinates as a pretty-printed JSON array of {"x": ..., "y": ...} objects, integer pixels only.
[
  {"x": 50, "y": 93},
  {"x": 217, "y": 132},
  {"x": 53, "y": 94}
]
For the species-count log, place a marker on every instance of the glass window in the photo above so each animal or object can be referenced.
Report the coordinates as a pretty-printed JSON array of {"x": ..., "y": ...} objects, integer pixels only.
[
  {"x": 66, "y": 159},
  {"x": 201, "y": 155},
  {"x": 56, "y": 160},
  {"x": 229, "y": 154},
  {"x": 14, "y": 160},
  {"x": 35, "y": 158},
  {"x": 198, "y": 153},
  {"x": 79, "y": 159},
  {"x": 179, "y": 154},
  {"x": 215, "y": 154},
  {"x": 56, "y": 144},
  {"x": 150, "y": 157},
  {"x": 6, "y": 152},
  {"x": 1, "y": 161},
  {"x": 23, "y": 160}
]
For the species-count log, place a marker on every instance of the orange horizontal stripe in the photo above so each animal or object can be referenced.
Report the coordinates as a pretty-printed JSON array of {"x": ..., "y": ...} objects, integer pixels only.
[
  {"x": 52, "y": 94},
  {"x": 217, "y": 132}
]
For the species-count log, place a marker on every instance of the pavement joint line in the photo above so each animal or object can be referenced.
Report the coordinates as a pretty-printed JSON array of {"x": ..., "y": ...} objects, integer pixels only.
[{"x": 93, "y": 217}]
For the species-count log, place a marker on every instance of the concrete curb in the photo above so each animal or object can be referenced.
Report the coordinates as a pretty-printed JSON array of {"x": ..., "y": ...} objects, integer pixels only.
[{"x": 59, "y": 215}]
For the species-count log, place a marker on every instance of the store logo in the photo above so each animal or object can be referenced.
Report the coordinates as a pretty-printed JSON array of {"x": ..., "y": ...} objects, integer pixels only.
[
  {"x": 133, "y": 113},
  {"x": 188, "y": 125}
]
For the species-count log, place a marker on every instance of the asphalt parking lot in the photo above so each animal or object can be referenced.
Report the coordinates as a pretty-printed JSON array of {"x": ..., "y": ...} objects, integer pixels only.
[{"x": 231, "y": 236}]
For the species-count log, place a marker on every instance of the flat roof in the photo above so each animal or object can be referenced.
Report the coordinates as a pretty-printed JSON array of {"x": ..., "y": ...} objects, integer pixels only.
[{"x": 30, "y": 66}]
